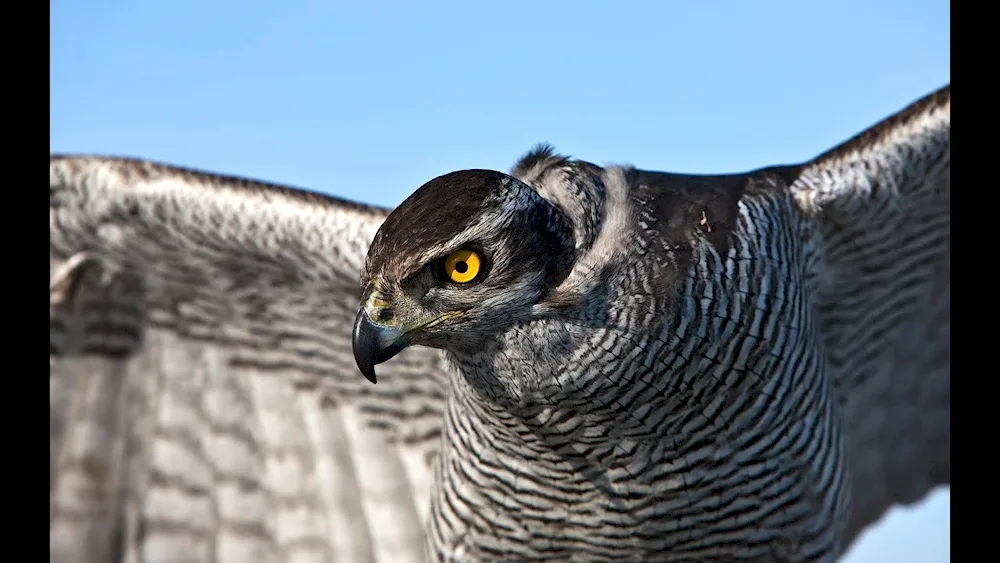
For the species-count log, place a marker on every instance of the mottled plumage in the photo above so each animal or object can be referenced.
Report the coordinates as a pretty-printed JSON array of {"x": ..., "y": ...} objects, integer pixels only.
[{"x": 650, "y": 366}]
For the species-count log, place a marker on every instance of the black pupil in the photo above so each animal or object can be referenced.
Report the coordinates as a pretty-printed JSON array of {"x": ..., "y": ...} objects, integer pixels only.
[
  {"x": 385, "y": 315},
  {"x": 461, "y": 267}
]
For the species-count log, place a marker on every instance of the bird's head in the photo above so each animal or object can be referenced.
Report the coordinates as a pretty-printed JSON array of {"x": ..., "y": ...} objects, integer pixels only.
[{"x": 468, "y": 255}]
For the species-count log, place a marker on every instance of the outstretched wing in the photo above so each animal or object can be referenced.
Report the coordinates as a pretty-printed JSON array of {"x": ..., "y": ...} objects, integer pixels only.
[
  {"x": 204, "y": 401},
  {"x": 882, "y": 203}
]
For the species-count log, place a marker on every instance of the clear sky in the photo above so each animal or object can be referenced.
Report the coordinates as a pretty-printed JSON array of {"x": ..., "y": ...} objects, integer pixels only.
[{"x": 370, "y": 100}]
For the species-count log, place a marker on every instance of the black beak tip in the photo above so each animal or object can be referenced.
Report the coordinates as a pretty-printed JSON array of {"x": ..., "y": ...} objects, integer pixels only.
[
  {"x": 369, "y": 374},
  {"x": 364, "y": 340}
]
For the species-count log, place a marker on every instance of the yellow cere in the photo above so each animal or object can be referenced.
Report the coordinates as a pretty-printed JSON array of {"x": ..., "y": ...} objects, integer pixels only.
[{"x": 462, "y": 266}]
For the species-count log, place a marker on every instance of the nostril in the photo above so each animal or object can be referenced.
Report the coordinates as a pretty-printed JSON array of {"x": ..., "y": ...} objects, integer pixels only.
[{"x": 385, "y": 315}]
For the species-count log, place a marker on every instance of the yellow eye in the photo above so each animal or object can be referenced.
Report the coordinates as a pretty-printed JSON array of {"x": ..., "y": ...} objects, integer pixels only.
[{"x": 462, "y": 266}]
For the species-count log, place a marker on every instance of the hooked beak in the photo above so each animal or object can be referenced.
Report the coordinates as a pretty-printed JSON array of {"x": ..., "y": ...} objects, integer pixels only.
[{"x": 375, "y": 343}]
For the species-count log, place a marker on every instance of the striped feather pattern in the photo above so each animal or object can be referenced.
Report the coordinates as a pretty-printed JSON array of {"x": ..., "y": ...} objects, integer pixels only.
[
  {"x": 697, "y": 435},
  {"x": 761, "y": 384},
  {"x": 204, "y": 403}
]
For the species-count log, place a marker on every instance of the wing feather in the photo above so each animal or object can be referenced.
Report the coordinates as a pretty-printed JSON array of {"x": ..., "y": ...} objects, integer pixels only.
[
  {"x": 882, "y": 205},
  {"x": 204, "y": 402}
]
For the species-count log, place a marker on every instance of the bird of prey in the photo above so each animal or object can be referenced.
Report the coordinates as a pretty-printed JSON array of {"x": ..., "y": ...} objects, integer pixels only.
[{"x": 575, "y": 362}]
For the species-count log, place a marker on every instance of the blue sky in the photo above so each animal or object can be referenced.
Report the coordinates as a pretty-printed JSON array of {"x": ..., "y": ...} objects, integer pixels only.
[{"x": 369, "y": 101}]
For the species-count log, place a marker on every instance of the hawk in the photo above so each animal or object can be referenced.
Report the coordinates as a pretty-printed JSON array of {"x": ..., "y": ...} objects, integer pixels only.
[{"x": 575, "y": 362}]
